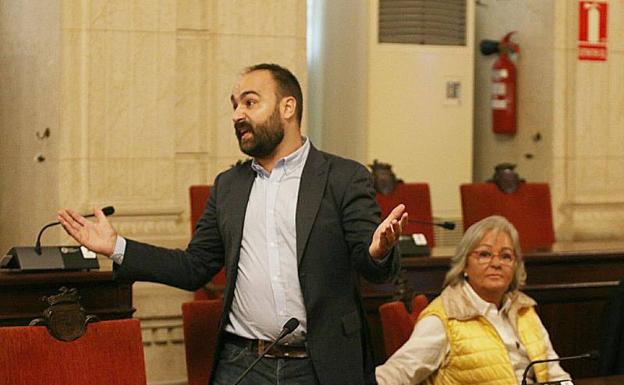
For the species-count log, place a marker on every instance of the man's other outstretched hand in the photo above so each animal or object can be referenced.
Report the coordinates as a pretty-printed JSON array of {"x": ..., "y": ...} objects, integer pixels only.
[{"x": 388, "y": 232}]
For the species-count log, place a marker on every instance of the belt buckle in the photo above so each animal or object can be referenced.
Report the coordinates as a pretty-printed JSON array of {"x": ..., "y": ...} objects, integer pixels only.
[{"x": 262, "y": 347}]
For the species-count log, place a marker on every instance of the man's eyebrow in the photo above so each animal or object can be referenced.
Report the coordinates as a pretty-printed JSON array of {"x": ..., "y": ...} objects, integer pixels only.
[
  {"x": 242, "y": 95},
  {"x": 251, "y": 92}
]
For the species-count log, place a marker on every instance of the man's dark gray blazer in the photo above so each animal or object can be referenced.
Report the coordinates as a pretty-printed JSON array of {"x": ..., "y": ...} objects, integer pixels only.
[{"x": 335, "y": 220}]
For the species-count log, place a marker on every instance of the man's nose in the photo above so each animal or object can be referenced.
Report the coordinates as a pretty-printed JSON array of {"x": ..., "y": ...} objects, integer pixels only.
[{"x": 237, "y": 115}]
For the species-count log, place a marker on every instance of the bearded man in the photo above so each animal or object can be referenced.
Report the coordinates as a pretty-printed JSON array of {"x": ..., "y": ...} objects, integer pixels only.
[{"x": 294, "y": 227}]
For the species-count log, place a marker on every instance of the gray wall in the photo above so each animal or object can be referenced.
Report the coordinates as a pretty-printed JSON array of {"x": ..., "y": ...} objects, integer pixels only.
[
  {"x": 337, "y": 73},
  {"x": 533, "y": 21}
]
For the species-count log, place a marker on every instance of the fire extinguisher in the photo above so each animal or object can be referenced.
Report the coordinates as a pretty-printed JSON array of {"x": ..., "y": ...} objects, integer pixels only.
[{"x": 503, "y": 99}]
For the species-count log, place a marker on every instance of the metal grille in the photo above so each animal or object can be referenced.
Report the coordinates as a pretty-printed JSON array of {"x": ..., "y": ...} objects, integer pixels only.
[{"x": 430, "y": 22}]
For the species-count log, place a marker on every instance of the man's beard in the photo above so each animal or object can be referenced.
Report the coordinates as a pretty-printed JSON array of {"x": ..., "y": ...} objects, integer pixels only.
[{"x": 265, "y": 136}]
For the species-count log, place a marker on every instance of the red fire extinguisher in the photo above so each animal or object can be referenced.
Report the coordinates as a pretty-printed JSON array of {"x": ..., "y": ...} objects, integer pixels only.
[{"x": 503, "y": 99}]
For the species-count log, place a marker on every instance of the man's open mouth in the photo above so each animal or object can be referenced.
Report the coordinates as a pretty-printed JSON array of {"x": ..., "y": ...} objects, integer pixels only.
[{"x": 243, "y": 130}]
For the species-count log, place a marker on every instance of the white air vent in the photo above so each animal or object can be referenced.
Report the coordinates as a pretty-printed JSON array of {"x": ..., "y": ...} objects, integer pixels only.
[{"x": 430, "y": 22}]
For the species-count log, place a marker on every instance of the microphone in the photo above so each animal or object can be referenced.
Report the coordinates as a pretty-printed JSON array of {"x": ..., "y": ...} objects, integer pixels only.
[
  {"x": 288, "y": 328},
  {"x": 591, "y": 355},
  {"x": 445, "y": 225},
  {"x": 108, "y": 210},
  {"x": 28, "y": 258}
]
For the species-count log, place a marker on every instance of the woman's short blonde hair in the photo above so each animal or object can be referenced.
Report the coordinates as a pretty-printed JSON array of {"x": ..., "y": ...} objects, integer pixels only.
[{"x": 472, "y": 238}]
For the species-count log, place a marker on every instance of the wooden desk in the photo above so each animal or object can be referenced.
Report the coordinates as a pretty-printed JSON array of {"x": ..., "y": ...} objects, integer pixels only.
[
  {"x": 571, "y": 284},
  {"x": 612, "y": 380},
  {"x": 21, "y": 293}
]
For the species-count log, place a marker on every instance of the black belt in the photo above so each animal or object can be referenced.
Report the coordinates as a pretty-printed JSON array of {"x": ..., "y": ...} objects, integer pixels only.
[{"x": 259, "y": 346}]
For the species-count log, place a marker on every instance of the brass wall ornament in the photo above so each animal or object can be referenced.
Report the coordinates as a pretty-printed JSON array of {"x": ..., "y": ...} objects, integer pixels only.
[
  {"x": 384, "y": 179},
  {"x": 65, "y": 318},
  {"x": 505, "y": 178}
]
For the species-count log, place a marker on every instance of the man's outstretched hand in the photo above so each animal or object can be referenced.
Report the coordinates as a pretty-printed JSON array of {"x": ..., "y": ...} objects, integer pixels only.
[{"x": 98, "y": 236}]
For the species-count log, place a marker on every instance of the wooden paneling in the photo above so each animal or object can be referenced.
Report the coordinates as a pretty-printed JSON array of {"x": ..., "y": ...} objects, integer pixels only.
[
  {"x": 612, "y": 380},
  {"x": 21, "y": 294}
]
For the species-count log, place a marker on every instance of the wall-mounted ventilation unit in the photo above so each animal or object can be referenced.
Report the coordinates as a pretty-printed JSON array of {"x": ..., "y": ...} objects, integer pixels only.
[{"x": 429, "y": 22}]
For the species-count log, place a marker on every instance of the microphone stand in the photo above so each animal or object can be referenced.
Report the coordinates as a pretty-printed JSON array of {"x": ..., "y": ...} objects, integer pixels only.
[
  {"x": 38, "y": 242},
  {"x": 445, "y": 225},
  {"x": 290, "y": 326},
  {"x": 530, "y": 365},
  {"x": 108, "y": 210},
  {"x": 51, "y": 257}
]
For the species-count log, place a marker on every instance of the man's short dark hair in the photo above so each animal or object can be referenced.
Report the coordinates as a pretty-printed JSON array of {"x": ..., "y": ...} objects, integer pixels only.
[{"x": 287, "y": 84}]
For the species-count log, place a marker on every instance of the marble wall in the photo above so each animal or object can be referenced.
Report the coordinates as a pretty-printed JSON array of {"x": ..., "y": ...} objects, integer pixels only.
[
  {"x": 589, "y": 152},
  {"x": 145, "y": 102},
  {"x": 136, "y": 94},
  {"x": 29, "y": 93}
]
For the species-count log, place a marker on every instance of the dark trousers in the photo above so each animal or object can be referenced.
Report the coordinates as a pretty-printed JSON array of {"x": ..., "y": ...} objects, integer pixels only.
[{"x": 234, "y": 359}]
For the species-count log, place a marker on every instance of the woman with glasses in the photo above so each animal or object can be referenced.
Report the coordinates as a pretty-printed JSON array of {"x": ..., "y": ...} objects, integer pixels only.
[{"x": 481, "y": 329}]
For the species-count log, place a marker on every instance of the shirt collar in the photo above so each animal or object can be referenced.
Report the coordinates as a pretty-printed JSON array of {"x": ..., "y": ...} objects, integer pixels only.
[
  {"x": 289, "y": 163},
  {"x": 483, "y": 306}
]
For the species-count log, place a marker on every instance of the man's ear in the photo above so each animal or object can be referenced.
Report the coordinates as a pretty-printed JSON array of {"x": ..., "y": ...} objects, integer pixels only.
[{"x": 288, "y": 106}]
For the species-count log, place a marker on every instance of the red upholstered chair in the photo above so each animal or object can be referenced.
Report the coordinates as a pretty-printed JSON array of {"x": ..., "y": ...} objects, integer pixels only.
[
  {"x": 109, "y": 353},
  {"x": 201, "y": 323},
  {"x": 417, "y": 202},
  {"x": 529, "y": 209},
  {"x": 199, "y": 195},
  {"x": 397, "y": 323}
]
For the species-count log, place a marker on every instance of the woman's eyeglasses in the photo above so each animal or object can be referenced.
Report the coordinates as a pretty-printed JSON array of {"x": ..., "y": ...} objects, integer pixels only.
[{"x": 485, "y": 257}]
